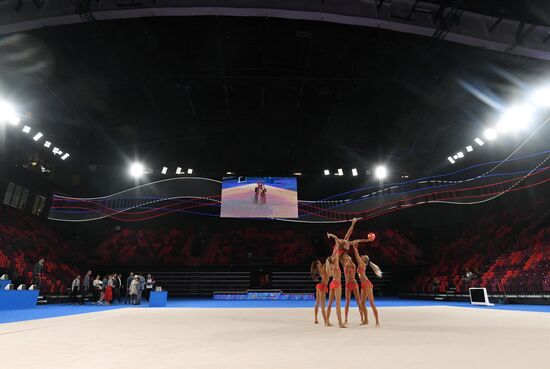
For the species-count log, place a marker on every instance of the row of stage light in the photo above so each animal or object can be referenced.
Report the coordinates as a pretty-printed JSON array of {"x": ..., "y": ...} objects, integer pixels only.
[
  {"x": 10, "y": 116},
  {"x": 512, "y": 120},
  {"x": 138, "y": 170},
  {"x": 380, "y": 172}
]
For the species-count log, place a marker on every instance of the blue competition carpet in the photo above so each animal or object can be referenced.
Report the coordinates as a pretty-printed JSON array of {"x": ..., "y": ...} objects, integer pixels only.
[{"x": 58, "y": 310}]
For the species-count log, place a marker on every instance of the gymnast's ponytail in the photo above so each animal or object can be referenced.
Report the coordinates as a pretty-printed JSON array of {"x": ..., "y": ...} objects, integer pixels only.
[
  {"x": 375, "y": 269},
  {"x": 314, "y": 270}
]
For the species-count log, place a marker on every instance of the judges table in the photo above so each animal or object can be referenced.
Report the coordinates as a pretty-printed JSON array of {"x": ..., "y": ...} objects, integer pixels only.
[
  {"x": 158, "y": 299},
  {"x": 15, "y": 299},
  {"x": 4, "y": 283}
]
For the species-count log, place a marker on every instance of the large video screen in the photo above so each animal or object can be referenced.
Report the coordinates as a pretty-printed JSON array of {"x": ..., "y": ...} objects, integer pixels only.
[{"x": 259, "y": 197}]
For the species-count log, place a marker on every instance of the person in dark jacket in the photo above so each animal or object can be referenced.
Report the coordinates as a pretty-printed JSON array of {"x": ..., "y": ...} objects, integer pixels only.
[
  {"x": 128, "y": 281},
  {"x": 75, "y": 288},
  {"x": 86, "y": 284},
  {"x": 37, "y": 272},
  {"x": 116, "y": 287}
]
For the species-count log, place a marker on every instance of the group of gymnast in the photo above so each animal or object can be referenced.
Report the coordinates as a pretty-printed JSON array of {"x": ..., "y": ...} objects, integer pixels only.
[{"x": 331, "y": 268}]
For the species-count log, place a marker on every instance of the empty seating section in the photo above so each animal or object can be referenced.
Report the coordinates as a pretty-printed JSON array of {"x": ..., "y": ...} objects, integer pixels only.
[
  {"x": 24, "y": 240},
  {"x": 147, "y": 246},
  {"x": 393, "y": 247},
  {"x": 188, "y": 246},
  {"x": 506, "y": 253}
]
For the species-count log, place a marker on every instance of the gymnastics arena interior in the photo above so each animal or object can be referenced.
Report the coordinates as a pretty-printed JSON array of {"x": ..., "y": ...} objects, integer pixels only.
[{"x": 274, "y": 184}]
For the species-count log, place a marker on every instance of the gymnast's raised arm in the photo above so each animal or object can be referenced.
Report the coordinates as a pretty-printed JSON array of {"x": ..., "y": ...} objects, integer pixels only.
[
  {"x": 361, "y": 240},
  {"x": 350, "y": 230},
  {"x": 356, "y": 253},
  {"x": 330, "y": 235}
]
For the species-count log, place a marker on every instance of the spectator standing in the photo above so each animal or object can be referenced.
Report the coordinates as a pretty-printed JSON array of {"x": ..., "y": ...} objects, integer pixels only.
[
  {"x": 97, "y": 287},
  {"x": 128, "y": 281},
  {"x": 116, "y": 287},
  {"x": 133, "y": 290},
  {"x": 75, "y": 288},
  {"x": 86, "y": 286},
  {"x": 37, "y": 273},
  {"x": 141, "y": 287},
  {"x": 105, "y": 284},
  {"x": 120, "y": 286},
  {"x": 149, "y": 285},
  {"x": 109, "y": 290}
]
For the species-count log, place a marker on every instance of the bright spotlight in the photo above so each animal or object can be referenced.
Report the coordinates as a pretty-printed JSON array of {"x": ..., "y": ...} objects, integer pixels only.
[
  {"x": 7, "y": 113},
  {"x": 354, "y": 172},
  {"x": 229, "y": 173},
  {"x": 340, "y": 172},
  {"x": 541, "y": 97},
  {"x": 297, "y": 174},
  {"x": 37, "y": 136},
  {"x": 136, "y": 170},
  {"x": 380, "y": 172},
  {"x": 55, "y": 150},
  {"x": 516, "y": 118},
  {"x": 469, "y": 148},
  {"x": 164, "y": 170},
  {"x": 65, "y": 156},
  {"x": 490, "y": 134},
  {"x": 327, "y": 172},
  {"x": 47, "y": 144},
  {"x": 460, "y": 154},
  {"x": 451, "y": 160},
  {"x": 178, "y": 170},
  {"x": 189, "y": 171},
  {"x": 26, "y": 129},
  {"x": 479, "y": 141}
]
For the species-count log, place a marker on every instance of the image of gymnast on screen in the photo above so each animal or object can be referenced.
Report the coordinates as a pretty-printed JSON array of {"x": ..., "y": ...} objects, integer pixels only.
[{"x": 259, "y": 197}]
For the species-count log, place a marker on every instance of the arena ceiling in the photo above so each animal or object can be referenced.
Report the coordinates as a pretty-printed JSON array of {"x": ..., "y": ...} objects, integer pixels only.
[
  {"x": 255, "y": 95},
  {"x": 532, "y": 11}
]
